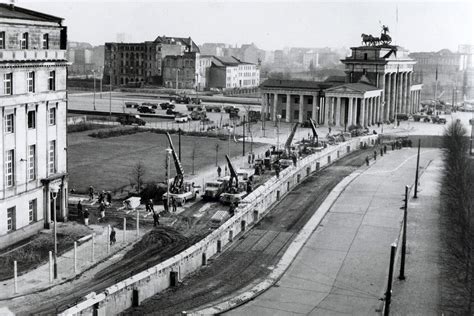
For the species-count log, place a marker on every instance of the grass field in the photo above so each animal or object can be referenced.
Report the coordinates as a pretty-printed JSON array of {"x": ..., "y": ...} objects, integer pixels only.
[{"x": 107, "y": 163}]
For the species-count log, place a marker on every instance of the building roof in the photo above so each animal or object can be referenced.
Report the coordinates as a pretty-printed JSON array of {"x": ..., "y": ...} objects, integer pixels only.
[
  {"x": 8, "y": 11},
  {"x": 296, "y": 84},
  {"x": 225, "y": 61},
  {"x": 359, "y": 87},
  {"x": 339, "y": 79},
  {"x": 184, "y": 41}
]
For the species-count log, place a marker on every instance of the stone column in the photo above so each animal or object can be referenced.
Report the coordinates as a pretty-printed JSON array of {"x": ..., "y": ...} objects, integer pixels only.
[
  {"x": 326, "y": 111},
  {"x": 315, "y": 109},
  {"x": 376, "y": 115},
  {"x": 301, "y": 110},
  {"x": 275, "y": 107},
  {"x": 393, "y": 95},
  {"x": 349, "y": 112},
  {"x": 354, "y": 111},
  {"x": 264, "y": 106},
  {"x": 388, "y": 94},
  {"x": 408, "y": 96},
  {"x": 288, "y": 108},
  {"x": 330, "y": 105},
  {"x": 369, "y": 112},
  {"x": 362, "y": 112},
  {"x": 338, "y": 112}
]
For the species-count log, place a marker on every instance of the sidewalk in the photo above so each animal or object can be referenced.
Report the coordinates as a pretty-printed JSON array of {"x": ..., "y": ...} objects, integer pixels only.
[
  {"x": 39, "y": 279},
  {"x": 343, "y": 267},
  {"x": 419, "y": 293}
]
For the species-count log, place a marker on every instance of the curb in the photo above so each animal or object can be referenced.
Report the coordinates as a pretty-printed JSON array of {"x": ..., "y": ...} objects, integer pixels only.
[{"x": 288, "y": 257}]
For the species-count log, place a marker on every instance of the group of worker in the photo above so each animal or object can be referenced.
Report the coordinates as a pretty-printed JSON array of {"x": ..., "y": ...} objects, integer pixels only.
[{"x": 173, "y": 203}]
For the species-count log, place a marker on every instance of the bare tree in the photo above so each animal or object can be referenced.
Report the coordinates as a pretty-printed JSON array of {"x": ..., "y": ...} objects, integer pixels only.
[{"x": 138, "y": 174}]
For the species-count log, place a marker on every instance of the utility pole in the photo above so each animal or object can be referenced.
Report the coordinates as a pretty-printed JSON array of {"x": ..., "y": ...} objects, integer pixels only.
[
  {"x": 93, "y": 74},
  {"x": 179, "y": 143},
  {"x": 417, "y": 170},
  {"x": 243, "y": 143},
  {"x": 110, "y": 95},
  {"x": 404, "y": 236}
]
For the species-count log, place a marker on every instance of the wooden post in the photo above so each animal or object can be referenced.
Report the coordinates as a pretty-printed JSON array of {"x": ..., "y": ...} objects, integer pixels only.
[
  {"x": 50, "y": 267},
  {"x": 417, "y": 170},
  {"x": 15, "y": 276},
  {"x": 92, "y": 247},
  {"x": 388, "y": 294},
  {"x": 124, "y": 229},
  {"x": 75, "y": 257},
  {"x": 107, "y": 238},
  {"x": 138, "y": 228},
  {"x": 404, "y": 236}
]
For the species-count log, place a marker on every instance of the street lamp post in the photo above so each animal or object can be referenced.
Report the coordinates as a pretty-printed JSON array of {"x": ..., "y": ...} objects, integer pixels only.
[
  {"x": 93, "y": 74},
  {"x": 54, "y": 189},
  {"x": 383, "y": 114}
]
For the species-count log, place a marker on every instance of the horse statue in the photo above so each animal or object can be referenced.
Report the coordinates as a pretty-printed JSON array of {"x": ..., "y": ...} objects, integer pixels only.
[{"x": 369, "y": 40}]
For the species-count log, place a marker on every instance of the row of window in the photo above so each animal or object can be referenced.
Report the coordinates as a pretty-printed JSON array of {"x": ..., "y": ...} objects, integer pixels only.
[
  {"x": 10, "y": 167},
  {"x": 309, "y": 99},
  {"x": 32, "y": 215},
  {"x": 25, "y": 40},
  {"x": 30, "y": 82},
  {"x": 9, "y": 121}
]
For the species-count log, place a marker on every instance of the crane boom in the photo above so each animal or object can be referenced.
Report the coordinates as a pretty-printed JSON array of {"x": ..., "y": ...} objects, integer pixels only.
[
  {"x": 178, "y": 179},
  {"x": 233, "y": 174},
  {"x": 315, "y": 134},
  {"x": 290, "y": 138}
]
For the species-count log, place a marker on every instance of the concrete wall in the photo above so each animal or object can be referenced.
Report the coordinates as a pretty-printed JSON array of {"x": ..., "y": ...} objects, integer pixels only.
[{"x": 119, "y": 297}]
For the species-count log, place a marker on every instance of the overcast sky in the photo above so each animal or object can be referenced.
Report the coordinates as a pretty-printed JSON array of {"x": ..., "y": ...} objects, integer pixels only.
[{"x": 422, "y": 25}]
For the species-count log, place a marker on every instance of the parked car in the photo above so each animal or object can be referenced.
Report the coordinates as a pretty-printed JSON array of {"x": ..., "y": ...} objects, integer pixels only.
[
  {"x": 171, "y": 112},
  {"x": 439, "y": 120},
  {"x": 129, "y": 119},
  {"x": 181, "y": 118},
  {"x": 193, "y": 107},
  {"x": 402, "y": 117},
  {"x": 196, "y": 100},
  {"x": 197, "y": 115},
  {"x": 229, "y": 108},
  {"x": 167, "y": 105},
  {"x": 149, "y": 104},
  {"x": 129, "y": 104},
  {"x": 145, "y": 109}
]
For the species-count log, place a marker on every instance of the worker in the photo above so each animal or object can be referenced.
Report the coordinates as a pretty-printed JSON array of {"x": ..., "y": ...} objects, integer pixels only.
[
  {"x": 112, "y": 237},
  {"x": 86, "y": 217},
  {"x": 219, "y": 170}
]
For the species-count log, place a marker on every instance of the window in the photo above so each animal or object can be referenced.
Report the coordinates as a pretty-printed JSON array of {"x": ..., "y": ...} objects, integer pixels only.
[
  {"x": 297, "y": 99},
  {"x": 30, "y": 80},
  {"x": 52, "y": 157},
  {"x": 309, "y": 100},
  {"x": 10, "y": 123},
  {"x": 45, "y": 41},
  {"x": 283, "y": 98},
  {"x": 11, "y": 220},
  {"x": 2, "y": 40},
  {"x": 8, "y": 83},
  {"x": 32, "y": 211},
  {"x": 283, "y": 114},
  {"x": 32, "y": 119},
  {"x": 24, "y": 41},
  {"x": 10, "y": 168},
  {"x": 31, "y": 162},
  {"x": 365, "y": 56},
  {"x": 52, "y": 116},
  {"x": 52, "y": 81}
]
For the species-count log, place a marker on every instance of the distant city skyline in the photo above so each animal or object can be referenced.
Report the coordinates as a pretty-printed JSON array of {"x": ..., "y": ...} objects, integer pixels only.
[{"x": 271, "y": 25}]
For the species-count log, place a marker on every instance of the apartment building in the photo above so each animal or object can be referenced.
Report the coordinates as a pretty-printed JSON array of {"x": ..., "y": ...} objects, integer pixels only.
[
  {"x": 230, "y": 72},
  {"x": 33, "y": 105}
]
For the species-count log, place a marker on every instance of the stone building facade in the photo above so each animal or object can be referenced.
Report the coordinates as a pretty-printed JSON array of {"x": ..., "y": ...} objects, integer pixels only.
[
  {"x": 33, "y": 105},
  {"x": 142, "y": 63},
  {"x": 230, "y": 72},
  {"x": 378, "y": 86}
]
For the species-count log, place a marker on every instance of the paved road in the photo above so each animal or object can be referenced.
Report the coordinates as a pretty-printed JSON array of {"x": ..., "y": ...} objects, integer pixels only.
[
  {"x": 252, "y": 256},
  {"x": 342, "y": 269}
]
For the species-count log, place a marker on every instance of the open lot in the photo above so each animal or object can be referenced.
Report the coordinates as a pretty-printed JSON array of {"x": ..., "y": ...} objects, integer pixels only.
[{"x": 107, "y": 163}]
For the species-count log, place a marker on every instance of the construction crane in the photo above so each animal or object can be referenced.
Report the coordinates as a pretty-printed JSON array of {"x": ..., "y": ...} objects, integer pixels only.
[
  {"x": 290, "y": 139},
  {"x": 177, "y": 185},
  {"x": 234, "y": 193},
  {"x": 233, "y": 174}
]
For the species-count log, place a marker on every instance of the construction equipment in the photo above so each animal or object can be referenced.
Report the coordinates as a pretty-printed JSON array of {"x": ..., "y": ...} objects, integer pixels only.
[
  {"x": 315, "y": 139},
  {"x": 214, "y": 189},
  {"x": 234, "y": 192},
  {"x": 288, "y": 157},
  {"x": 180, "y": 190}
]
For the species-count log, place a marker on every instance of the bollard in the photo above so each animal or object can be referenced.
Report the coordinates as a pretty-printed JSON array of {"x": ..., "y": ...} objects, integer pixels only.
[
  {"x": 138, "y": 232},
  {"x": 124, "y": 229},
  {"x": 15, "y": 276},
  {"x": 92, "y": 247},
  {"x": 417, "y": 170},
  {"x": 75, "y": 257},
  {"x": 388, "y": 294},
  {"x": 50, "y": 267},
  {"x": 108, "y": 239}
]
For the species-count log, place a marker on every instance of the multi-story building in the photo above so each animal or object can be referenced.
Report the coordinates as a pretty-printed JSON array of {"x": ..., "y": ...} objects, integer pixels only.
[
  {"x": 33, "y": 103},
  {"x": 311, "y": 58},
  {"x": 187, "y": 71},
  {"x": 230, "y": 72},
  {"x": 141, "y": 63},
  {"x": 378, "y": 85}
]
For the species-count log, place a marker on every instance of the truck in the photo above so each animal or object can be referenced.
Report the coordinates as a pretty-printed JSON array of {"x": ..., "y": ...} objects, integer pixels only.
[
  {"x": 181, "y": 191},
  {"x": 129, "y": 119},
  {"x": 235, "y": 190},
  {"x": 214, "y": 189},
  {"x": 437, "y": 119}
]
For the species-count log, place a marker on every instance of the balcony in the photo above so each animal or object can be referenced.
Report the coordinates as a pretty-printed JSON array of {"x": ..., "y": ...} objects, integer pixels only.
[{"x": 32, "y": 55}]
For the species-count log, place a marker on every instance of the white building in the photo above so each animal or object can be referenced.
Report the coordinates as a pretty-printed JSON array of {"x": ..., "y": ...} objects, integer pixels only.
[
  {"x": 33, "y": 108},
  {"x": 230, "y": 72},
  {"x": 309, "y": 57}
]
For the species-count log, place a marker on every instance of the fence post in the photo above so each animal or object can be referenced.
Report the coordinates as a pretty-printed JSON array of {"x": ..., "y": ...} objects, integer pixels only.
[
  {"x": 404, "y": 236},
  {"x": 124, "y": 230},
  {"x": 417, "y": 170},
  {"x": 75, "y": 257},
  {"x": 15, "y": 276},
  {"x": 388, "y": 294}
]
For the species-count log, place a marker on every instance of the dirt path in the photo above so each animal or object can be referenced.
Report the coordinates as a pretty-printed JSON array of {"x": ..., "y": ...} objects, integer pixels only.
[{"x": 253, "y": 256}]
